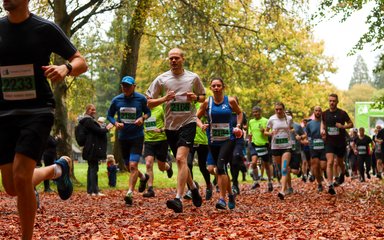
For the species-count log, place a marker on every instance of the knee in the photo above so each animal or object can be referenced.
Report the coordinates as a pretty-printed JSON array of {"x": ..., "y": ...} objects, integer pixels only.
[
  {"x": 132, "y": 169},
  {"x": 161, "y": 165},
  {"x": 149, "y": 165},
  {"x": 211, "y": 169}
]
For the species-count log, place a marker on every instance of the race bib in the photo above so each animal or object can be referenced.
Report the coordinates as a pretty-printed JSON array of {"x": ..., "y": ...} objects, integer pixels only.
[
  {"x": 128, "y": 115},
  {"x": 318, "y": 144},
  {"x": 362, "y": 150},
  {"x": 150, "y": 124},
  {"x": 220, "y": 131},
  {"x": 18, "y": 82},
  {"x": 333, "y": 131},
  {"x": 261, "y": 151}
]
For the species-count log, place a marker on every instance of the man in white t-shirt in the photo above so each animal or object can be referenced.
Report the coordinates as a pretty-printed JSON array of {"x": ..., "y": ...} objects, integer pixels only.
[{"x": 178, "y": 89}]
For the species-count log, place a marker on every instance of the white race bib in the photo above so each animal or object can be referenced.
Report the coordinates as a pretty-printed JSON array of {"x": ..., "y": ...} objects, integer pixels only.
[
  {"x": 362, "y": 150},
  {"x": 318, "y": 144},
  {"x": 333, "y": 131},
  {"x": 150, "y": 124},
  {"x": 18, "y": 82},
  {"x": 220, "y": 131},
  {"x": 128, "y": 115}
]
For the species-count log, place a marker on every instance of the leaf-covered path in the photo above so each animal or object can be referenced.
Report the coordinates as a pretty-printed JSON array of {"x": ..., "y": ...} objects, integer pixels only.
[{"x": 356, "y": 212}]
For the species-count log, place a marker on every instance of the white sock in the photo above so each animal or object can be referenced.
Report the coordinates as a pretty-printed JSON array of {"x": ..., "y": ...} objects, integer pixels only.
[
  {"x": 129, "y": 192},
  {"x": 57, "y": 171}
]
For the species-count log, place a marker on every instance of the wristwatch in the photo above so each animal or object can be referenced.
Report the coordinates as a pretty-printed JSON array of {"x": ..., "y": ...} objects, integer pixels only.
[{"x": 69, "y": 67}]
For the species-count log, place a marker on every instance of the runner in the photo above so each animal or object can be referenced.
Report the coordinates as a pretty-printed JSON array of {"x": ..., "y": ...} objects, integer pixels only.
[
  {"x": 334, "y": 121},
  {"x": 281, "y": 146},
  {"x": 361, "y": 147},
  {"x": 155, "y": 146},
  {"x": 316, "y": 147},
  {"x": 221, "y": 135},
  {"x": 132, "y": 111},
  {"x": 179, "y": 88},
  {"x": 260, "y": 147}
]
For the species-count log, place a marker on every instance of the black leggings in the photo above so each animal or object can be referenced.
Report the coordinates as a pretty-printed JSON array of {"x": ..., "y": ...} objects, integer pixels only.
[
  {"x": 222, "y": 155},
  {"x": 364, "y": 159},
  {"x": 202, "y": 154}
]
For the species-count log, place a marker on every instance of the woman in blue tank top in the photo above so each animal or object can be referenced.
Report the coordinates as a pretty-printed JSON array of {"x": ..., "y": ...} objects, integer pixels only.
[{"x": 221, "y": 135}]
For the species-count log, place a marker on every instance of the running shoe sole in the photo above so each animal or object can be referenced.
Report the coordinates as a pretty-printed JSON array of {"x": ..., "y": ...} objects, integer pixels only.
[{"x": 175, "y": 205}]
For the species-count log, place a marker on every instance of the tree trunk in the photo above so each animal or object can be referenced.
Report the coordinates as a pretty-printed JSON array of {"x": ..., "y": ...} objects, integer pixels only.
[{"x": 131, "y": 54}]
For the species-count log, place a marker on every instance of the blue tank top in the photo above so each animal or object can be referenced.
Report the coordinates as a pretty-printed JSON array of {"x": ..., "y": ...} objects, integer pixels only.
[{"x": 219, "y": 118}]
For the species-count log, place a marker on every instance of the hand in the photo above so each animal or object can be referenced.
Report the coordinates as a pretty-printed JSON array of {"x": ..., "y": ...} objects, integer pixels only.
[
  {"x": 191, "y": 96},
  {"x": 139, "y": 121},
  {"x": 119, "y": 125},
  {"x": 339, "y": 125},
  {"x": 237, "y": 132},
  {"x": 323, "y": 134},
  {"x": 170, "y": 95},
  {"x": 205, "y": 126},
  {"x": 109, "y": 126},
  {"x": 55, "y": 73}
]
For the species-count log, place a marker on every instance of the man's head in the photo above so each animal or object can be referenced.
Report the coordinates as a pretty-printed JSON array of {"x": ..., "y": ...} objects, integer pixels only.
[
  {"x": 90, "y": 110},
  {"x": 13, "y": 5},
  {"x": 333, "y": 100},
  {"x": 317, "y": 112},
  {"x": 256, "y": 112},
  {"x": 127, "y": 85},
  {"x": 176, "y": 60},
  {"x": 361, "y": 131}
]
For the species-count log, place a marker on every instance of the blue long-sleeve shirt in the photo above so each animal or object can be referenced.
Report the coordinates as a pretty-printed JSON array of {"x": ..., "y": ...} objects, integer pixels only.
[{"x": 128, "y": 109}]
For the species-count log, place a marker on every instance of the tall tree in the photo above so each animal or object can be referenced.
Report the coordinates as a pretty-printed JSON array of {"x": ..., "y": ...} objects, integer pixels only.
[{"x": 360, "y": 73}]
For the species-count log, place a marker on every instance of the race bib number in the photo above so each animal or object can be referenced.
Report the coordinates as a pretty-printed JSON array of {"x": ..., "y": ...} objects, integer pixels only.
[
  {"x": 318, "y": 144},
  {"x": 220, "y": 131},
  {"x": 293, "y": 142},
  {"x": 333, "y": 131},
  {"x": 18, "y": 82},
  {"x": 279, "y": 140},
  {"x": 150, "y": 124},
  {"x": 128, "y": 115},
  {"x": 261, "y": 151},
  {"x": 362, "y": 150}
]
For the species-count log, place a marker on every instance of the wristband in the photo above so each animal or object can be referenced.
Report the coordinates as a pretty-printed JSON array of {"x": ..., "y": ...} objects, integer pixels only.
[{"x": 69, "y": 67}]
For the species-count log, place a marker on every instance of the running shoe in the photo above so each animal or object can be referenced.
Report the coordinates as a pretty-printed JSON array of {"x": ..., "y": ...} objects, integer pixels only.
[
  {"x": 236, "y": 189},
  {"x": 368, "y": 175},
  {"x": 128, "y": 199},
  {"x": 311, "y": 178},
  {"x": 175, "y": 205},
  {"x": 221, "y": 204},
  {"x": 331, "y": 190},
  {"x": 143, "y": 183},
  {"x": 270, "y": 186},
  {"x": 231, "y": 201},
  {"x": 255, "y": 185},
  {"x": 196, "y": 198},
  {"x": 188, "y": 195},
  {"x": 304, "y": 178},
  {"x": 289, "y": 191},
  {"x": 341, "y": 179},
  {"x": 281, "y": 195},
  {"x": 170, "y": 171},
  {"x": 319, "y": 187},
  {"x": 149, "y": 194},
  {"x": 379, "y": 176},
  {"x": 64, "y": 184},
  {"x": 208, "y": 193}
]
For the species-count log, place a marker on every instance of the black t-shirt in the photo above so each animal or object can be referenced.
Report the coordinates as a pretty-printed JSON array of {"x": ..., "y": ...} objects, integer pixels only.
[
  {"x": 335, "y": 136},
  {"x": 24, "y": 48},
  {"x": 362, "y": 145}
]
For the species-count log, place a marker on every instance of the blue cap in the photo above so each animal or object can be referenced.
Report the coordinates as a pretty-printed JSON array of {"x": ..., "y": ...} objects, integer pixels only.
[{"x": 128, "y": 80}]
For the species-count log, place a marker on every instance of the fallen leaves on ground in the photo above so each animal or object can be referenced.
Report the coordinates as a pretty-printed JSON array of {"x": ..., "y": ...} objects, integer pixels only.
[{"x": 356, "y": 212}]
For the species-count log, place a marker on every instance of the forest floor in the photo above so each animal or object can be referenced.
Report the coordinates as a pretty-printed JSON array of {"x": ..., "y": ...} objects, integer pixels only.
[{"x": 355, "y": 212}]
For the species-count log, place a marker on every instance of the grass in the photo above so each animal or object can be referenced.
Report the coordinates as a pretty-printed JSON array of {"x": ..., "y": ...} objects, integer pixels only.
[{"x": 161, "y": 179}]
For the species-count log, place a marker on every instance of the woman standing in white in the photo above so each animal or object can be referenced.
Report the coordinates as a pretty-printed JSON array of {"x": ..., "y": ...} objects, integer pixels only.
[{"x": 281, "y": 146}]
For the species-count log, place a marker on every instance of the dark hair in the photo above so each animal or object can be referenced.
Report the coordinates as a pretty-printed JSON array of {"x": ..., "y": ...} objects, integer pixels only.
[
  {"x": 217, "y": 78},
  {"x": 256, "y": 108},
  {"x": 334, "y": 95}
]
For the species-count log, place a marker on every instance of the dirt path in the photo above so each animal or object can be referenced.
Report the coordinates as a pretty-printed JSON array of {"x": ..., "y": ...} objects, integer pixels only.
[{"x": 356, "y": 212}]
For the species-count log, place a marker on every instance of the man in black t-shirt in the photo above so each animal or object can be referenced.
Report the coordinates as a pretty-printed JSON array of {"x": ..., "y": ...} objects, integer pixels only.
[
  {"x": 334, "y": 122},
  {"x": 27, "y": 104},
  {"x": 361, "y": 147}
]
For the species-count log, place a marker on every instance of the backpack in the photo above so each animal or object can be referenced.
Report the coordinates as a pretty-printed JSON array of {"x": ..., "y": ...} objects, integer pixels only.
[{"x": 80, "y": 134}]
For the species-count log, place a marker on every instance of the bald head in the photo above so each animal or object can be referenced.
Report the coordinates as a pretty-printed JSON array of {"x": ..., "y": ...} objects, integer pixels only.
[
  {"x": 317, "y": 112},
  {"x": 176, "y": 60}
]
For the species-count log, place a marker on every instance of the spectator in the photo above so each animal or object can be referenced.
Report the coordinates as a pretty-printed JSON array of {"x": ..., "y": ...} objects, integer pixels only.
[{"x": 112, "y": 170}]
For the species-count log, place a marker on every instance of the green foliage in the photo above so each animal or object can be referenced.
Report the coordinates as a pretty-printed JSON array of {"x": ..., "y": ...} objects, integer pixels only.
[{"x": 358, "y": 93}]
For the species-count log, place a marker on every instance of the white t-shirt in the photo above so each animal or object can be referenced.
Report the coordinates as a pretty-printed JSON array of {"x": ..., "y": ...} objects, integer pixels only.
[
  {"x": 282, "y": 126},
  {"x": 178, "y": 112}
]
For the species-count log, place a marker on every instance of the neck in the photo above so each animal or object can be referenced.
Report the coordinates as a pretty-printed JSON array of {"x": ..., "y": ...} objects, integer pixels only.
[
  {"x": 177, "y": 71},
  {"x": 218, "y": 98},
  {"x": 333, "y": 109},
  {"x": 18, "y": 15}
]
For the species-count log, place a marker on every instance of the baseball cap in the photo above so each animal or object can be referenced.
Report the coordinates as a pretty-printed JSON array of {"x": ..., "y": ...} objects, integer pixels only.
[{"x": 128, "y": 80}]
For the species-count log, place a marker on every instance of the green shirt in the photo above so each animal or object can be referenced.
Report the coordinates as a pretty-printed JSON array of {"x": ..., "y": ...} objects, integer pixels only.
[
  {"x": 156, "y": 121},
  {"x": 254, "y": 126},
  {"x": 201, "y": 136}
]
